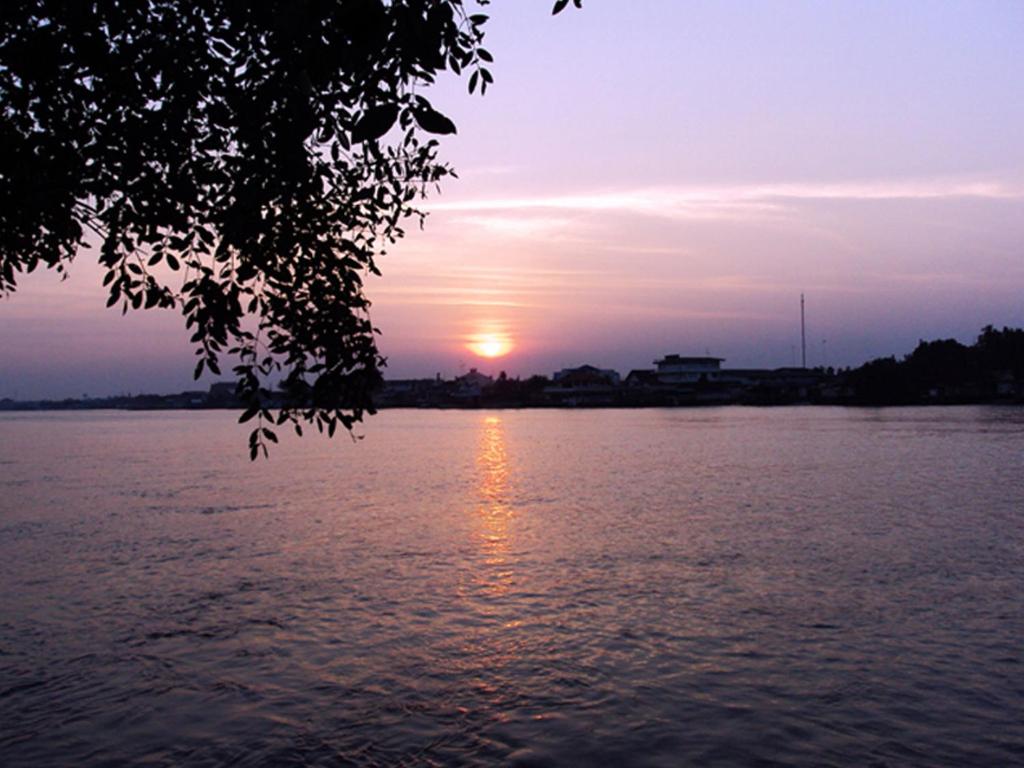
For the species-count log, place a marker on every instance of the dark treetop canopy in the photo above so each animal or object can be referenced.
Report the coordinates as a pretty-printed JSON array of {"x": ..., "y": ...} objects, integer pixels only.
[{"x": 242, "y": 161}]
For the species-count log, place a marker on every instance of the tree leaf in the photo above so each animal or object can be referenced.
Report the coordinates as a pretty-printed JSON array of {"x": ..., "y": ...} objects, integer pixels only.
[
  {"x": 432, "y": 121},
  {"x": 375, "y": 122}
]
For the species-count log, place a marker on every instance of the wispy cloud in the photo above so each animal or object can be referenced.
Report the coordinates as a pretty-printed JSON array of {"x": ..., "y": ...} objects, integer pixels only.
[
  {"x": 516, "y": 225},
  {"x": 676, "y": 204},
  {"x": 733, "y": 201},
  {"x": 898, "y": 189},
  {"x": 495, "y": 288}
]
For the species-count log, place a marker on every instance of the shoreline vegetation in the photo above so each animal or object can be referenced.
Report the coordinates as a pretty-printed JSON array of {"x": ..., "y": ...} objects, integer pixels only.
[{"x": 943, "y": 372}]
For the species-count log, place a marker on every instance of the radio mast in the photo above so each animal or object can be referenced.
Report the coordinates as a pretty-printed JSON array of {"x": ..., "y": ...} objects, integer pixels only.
[{"x": 803, "y": 335}]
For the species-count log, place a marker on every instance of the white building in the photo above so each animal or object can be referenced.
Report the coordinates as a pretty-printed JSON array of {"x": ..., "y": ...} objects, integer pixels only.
[{"x": 674, "y": 369}]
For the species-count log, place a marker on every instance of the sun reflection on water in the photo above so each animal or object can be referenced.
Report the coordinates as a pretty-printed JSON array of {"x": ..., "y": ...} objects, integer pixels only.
[{"x": 494, "y": 513}]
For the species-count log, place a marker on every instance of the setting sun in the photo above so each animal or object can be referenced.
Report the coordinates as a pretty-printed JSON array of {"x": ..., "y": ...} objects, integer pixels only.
[{"x": 490, "y": 345}]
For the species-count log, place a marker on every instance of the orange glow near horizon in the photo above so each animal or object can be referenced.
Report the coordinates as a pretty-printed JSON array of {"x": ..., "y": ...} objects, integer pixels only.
[{"x": 490, "y": 345}]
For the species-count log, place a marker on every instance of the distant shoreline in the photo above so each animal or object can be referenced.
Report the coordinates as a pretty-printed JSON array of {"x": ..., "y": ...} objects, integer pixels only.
[
  {"x": 943, "y": 372},
  {"x": 32, "y": 408}
]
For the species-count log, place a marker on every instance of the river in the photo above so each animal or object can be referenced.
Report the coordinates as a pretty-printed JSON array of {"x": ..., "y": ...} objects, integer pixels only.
[{"x": 721, "y": 586}]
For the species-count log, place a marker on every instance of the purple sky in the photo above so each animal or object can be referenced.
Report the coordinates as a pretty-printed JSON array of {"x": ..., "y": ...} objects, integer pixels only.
[{"x": 668, "y": 176}]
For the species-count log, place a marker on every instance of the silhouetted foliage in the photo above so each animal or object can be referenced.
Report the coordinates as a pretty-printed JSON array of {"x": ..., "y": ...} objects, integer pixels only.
[
  {"x": 879, "y": 382},
  {"x": 507, "y": 391},
  {"x": 244, "y": 162},
  {"x": 944, "y": 371},
  {"x": 536, "y": 384},
  {"x": 1001, "y": 350}
]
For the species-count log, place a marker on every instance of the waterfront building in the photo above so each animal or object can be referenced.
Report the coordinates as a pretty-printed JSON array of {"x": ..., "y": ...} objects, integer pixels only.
[
  {"x": 641, "y": 377},
  {"x": 471, "y": 385},
  {"x": 585, "y": 385},
  {"x": 676, "y": 369}
]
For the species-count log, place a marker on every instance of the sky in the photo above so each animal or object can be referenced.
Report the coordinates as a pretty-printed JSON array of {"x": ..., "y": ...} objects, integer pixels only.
[{"x": 666, "y": 176}]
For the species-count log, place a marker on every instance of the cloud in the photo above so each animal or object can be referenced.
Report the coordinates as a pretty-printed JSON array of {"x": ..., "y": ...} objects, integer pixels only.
[
  {"x": 732, "y": 201},
  {"x": 516, "y": 225},
  {"x": 497, "y": 288},
  {"x": 675, "y": 204},
  {"x": 900, "y": 189}
]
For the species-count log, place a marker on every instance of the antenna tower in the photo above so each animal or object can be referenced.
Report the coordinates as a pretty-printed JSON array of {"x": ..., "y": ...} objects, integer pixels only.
[{"x": 803, "y": 335}]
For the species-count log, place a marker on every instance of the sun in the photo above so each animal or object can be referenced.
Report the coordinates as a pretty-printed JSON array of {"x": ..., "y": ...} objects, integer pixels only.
[{"x": 490, "y": 345}]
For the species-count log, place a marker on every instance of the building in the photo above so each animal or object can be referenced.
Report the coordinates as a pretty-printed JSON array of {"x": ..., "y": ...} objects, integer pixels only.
[
  {"x": 586, "y": 385},
  {"x": 675, "y": 369},
  {"x": 778, "y": 386},
  {"x": 471, "y": 385},
  {"x": 641, "y": 377}
]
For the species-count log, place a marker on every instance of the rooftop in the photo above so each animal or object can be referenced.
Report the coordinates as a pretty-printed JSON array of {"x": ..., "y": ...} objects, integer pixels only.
[{"x": 692, "y": 360}]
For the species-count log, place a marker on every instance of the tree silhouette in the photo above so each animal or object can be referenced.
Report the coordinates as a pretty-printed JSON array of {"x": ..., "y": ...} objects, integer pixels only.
[
  {"x": 944, "y": 370},
  {"x": 243, "y": 162}
]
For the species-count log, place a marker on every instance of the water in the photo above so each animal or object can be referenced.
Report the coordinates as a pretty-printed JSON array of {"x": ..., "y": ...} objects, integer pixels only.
[{"x": 655, "y": 587}]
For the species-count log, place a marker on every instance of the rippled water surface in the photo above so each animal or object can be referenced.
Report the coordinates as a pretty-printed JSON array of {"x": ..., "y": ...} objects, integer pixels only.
[{"x": 656, "y": 587}]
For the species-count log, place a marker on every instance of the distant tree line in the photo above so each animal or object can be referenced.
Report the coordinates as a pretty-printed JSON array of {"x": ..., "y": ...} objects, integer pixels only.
[{"x": 945, "y": 371}]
